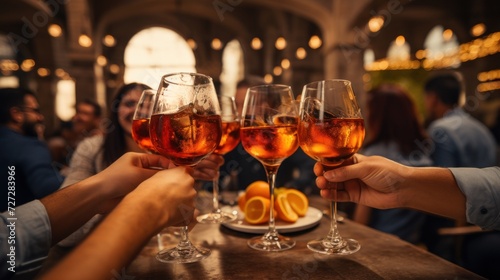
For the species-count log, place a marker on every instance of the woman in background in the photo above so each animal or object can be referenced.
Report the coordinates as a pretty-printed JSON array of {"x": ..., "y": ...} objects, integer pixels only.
[{"x": 395, "y": 132}]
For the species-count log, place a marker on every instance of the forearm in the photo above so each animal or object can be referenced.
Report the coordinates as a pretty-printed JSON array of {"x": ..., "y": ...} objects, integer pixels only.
[
  {"x": 112, "y": 245},
  {"x": 69, "y": 208},
  {"x": 433, "y": 190}
]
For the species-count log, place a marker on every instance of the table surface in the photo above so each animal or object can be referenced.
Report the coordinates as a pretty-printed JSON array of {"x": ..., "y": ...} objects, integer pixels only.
[{"x": 382, "y": 256}]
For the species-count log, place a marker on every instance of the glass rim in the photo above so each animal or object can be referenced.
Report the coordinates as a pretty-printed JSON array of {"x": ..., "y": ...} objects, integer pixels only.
[
  {"x": 345, "y": 81},
  {"x": 277, "y": 86},
  {"x": 192, "y": 74}
]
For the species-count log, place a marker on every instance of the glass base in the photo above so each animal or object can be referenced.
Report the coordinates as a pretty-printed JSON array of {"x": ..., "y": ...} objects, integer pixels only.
[
  {"x": 271, "y": 243},
  {"x": 216, "y": 218},
  {"x": 325, "y": 246},
  {"x": 188, "y": 255}
]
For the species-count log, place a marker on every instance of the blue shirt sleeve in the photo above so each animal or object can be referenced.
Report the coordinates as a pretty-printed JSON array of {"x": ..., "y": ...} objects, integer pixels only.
[
  {"x": 25, "y": 239},
  {"x": 43, "y": 178},
  {"x": 482, "y": 191}
]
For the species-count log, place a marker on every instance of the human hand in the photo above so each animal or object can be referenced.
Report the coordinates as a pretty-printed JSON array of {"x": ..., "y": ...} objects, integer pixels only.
[
  {"x": 208, "y": 168},
  {"x": 125, "y": 174},
  {"x": 169, "y": 196},
  {"x": 373, "y": 181}
]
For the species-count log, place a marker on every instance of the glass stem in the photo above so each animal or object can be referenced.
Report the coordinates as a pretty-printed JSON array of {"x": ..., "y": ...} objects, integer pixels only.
[
  {"x": 334, "y": 235},
  {"x": 271, "y": 178},
  {"x": 215, "y": 198},
  {"x": 184, "y": 244}
]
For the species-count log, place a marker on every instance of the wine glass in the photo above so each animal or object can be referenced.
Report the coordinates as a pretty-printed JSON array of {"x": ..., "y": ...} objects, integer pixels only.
[
  {"x": 269, "y": 133},
  {"x": 140, "y": 127},
  {"x": 229, "y": 140},
  {"x": 185, "y": 127},
  {"x": 331, "y": 130},
  {"x": 140, "y": 120}
]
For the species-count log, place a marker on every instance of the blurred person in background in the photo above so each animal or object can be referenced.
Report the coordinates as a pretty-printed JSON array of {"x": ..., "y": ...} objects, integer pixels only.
[
  {"x": 21, "y": 123},
  {"x": 85, "y": 123},
  {"x": 458, "y": 140},
  {"x": 95, "y": 153},
  {"x": 393, "y": 131}
]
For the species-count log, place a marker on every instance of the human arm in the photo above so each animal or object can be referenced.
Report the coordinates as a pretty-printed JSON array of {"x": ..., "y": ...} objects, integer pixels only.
[
  {"x": 381, "y": 183},
  {"x": 71, "y": 207},
  {"x": 165, "y": 199},
  {"x": 482, "y": 189},
  {"x": 24, "y": 239}
]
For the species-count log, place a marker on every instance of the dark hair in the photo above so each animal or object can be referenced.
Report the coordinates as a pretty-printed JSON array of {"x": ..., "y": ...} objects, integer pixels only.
[
  {"x": 114, "y": 145},
  {"x": 97, "y": 108},
  {"x": 392, "y": 117},
  {"x": 9, "y": 98},
  {"x": 447, "y": 87}
]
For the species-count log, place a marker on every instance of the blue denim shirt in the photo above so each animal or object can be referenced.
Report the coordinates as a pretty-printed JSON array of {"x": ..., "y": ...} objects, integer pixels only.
[
  {"x": 459, "y": 140},
  {"x": 25, "y": 239},
  {"x": 482, "y": 191}
]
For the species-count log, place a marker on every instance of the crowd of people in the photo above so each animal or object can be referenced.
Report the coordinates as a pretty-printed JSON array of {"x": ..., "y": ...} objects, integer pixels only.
[{"x": 87, "y": 174}]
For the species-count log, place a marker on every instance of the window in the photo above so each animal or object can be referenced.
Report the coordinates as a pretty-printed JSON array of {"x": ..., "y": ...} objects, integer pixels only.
[
  {"x": 8, "y": 64},
  {"x": 154, "y": 52},
  {"x": 442, "y": 43},
  {"x": 232, "y": 68}
]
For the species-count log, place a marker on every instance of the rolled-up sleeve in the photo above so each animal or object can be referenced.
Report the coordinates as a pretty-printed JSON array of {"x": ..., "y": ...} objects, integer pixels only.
[
  {"x": 25, "y": 238},
  {"x": 481, "y": 188}
]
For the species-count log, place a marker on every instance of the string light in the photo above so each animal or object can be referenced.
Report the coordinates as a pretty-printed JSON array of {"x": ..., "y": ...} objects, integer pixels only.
[
  {"x": 256, "y": 43},
  {"x": 280, "y": 43},
  {"x": 85, "y": 41},
  {"x": 54, "y": 30}
]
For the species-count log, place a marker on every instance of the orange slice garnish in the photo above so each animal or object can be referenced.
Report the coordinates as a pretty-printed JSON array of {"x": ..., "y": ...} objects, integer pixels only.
[
  {"x": 257, "y": 210},
  {"x": 298, "y": 201},
  {"x": 284, "y": 209}
]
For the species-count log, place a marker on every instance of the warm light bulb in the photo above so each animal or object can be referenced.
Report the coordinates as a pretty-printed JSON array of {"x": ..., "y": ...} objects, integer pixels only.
[
  {"x": 192, "y": 44},
  {"x": 55, "y": 30},
  {"x": 109, "y": 41},
  {"x": 277, "y": 71},
  {"x": 256, "y": 44},
  {"x": 478, "y": 29},
  {"x": 376, "y": 23},
  {"x": 315, "y": 42},
  {"x": 447, "y": 34},
  {"x": 43, "y": 72},
  {"x": 101, "y": 60},
  {"x": 84, "y": 41},
  {"x": 301, "y": 53},
  {"x": 280, "y": 43},
  {"x": 400, "y": 40},
  {"x": 285, "y": 63},
  {"x": 268, "y": 78},
  {"x": 216, "y": 44}
]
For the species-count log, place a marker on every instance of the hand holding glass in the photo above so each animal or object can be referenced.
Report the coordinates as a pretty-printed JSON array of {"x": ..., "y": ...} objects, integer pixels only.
[{"x": 331, "y": 130}]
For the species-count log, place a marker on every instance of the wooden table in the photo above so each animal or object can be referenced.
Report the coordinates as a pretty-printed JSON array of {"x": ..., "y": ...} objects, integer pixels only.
[{"x": 382, "y": 256}]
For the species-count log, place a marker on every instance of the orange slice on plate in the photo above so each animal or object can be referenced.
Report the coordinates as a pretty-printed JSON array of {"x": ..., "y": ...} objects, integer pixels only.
[
  {"x": 257, "y": 188},
  {"x": 298, "y": 201},
  {"x": 284, "y": 209},
  {"x": 257, "y": 210}
]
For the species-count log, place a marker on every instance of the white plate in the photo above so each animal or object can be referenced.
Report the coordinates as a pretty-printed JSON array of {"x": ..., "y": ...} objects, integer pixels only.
[{"x": 312, "y": 218}]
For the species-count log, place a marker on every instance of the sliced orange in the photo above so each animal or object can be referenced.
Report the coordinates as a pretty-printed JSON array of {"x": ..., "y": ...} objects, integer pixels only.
[
  {"x": 284, "y": 209},
  {"x": 298, "y": 201},
  {"x": 257, "y": 210},
  {"x": 257, "y": 188},
  {"x": 242, "y": 201}
]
